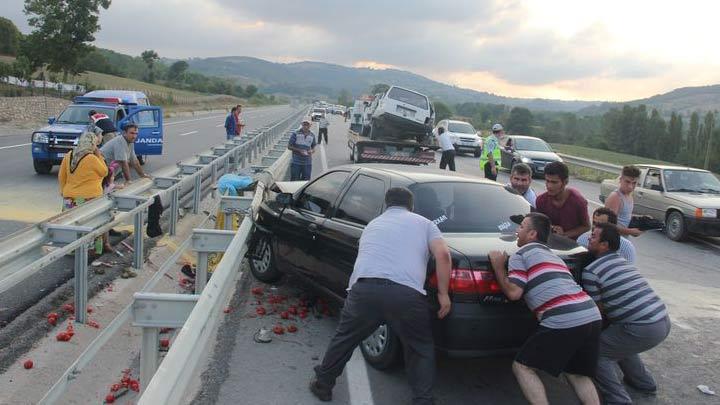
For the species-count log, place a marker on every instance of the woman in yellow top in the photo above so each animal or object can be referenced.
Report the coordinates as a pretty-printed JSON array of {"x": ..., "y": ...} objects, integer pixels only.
[{"x": 81, "y": 175}]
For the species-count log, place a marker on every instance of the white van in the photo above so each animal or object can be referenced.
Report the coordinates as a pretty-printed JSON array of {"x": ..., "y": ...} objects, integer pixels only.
[{"x": 401, "y": 114}]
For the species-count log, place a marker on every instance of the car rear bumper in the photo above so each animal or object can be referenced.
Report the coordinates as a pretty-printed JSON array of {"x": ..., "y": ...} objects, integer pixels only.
[
  {"x": 466, "y": 148},
  {"x": 703, "y": 226},
  {"x": 476, "y": 330}
]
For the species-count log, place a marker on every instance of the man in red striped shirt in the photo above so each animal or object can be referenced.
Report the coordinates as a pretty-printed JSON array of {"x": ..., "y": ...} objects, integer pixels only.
[{"x": 566, "y": 341}]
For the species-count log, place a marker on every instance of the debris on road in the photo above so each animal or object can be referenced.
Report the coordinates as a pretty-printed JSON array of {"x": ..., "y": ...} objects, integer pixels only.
[
  {"x": 705, "y": 389},
  {"x": 28, "y": 364},
  {"x": 262, "y": 336}
]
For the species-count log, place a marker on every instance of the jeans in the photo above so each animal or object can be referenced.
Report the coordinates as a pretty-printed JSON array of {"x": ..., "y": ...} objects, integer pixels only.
[
  {"x": 300, "y": 172},
  {"x": 321, "y": 132},
  {"x": 620, "y": 345},
  {"x": 370, "y": 303}
]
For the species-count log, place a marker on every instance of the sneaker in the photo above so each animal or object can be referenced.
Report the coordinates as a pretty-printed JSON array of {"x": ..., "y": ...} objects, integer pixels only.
[
  {"x": 322, "y": 393},
  {"x": 638, "y": 389}
]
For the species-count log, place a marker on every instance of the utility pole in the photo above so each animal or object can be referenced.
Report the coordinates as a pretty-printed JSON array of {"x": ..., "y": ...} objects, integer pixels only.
[{"x": 710, "y": 129}]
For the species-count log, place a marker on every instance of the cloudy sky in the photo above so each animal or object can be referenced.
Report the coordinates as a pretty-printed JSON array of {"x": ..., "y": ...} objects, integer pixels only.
[{"x": 600, "y": 50}]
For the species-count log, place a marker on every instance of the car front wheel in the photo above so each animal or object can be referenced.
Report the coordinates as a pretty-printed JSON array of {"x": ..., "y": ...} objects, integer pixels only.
[
  {"x": 382, "y": 349},
  {"x": 262, "y": 261},
  {"x": 675, "y": 227},
  {"x": 42, "y": 166}
]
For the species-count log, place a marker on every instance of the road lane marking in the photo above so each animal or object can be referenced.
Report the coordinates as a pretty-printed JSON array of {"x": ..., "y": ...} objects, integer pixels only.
[
  {"x": 323, "y": 158},
  {"x": 188, "y": 133},
  {"x": 358, "y": 382},
  {"x": 193, "y": 120},
  {"x": 219, "y": 125},
  {"x": 15, "y": 146}
]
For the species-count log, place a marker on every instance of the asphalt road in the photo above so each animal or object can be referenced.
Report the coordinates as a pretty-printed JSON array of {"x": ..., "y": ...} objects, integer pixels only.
[
  {"x": 686, "y": 275},
  {"x": 27, "y": 197},
  {"x": 23, "y": 191}
]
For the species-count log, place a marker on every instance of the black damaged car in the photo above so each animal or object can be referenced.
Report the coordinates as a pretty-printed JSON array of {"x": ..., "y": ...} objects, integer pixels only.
[{"x": 312, "y": 229}]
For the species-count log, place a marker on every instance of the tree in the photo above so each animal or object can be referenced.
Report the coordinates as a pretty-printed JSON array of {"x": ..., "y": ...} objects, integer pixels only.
[
  {"x": 707, "y": 145},
  {"x": 63, "y": 31},
  {"x": 177, "y": 70},
  {"x": 379, "y": 88},
  {"x": 442, "y": 111},
  {"x": 250, "y": 90},
  {"x": 149, "y": 57},
  {"x": 658, "y": 135},
  {"x": 344, "y": 98},
  {"x": 693, "y": 137},
  {"x": 9, "y": 37},
  {"x": 519, "y": 121},
  {"x": 670, "y": 147}
]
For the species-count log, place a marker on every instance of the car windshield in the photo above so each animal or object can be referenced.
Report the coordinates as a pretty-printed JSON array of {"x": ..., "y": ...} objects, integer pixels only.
[
  {"x": 78, "y": 114},
  {"x": 410, "y": 97},
  {"x": 531, "y": 144},
  {"x": 461, "y": 128},
  {"x": 691, "y": 181},
  {"x": 461, "y": 207}
]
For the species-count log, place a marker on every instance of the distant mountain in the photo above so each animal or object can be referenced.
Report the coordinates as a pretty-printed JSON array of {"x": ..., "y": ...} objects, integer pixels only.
[
  {"x": 324, "y": 80},
  {"x": 684, "y": 100}
]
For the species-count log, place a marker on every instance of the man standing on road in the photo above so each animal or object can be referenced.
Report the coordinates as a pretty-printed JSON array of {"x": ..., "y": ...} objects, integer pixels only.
[
  {"x": 638, "y": 319},
  {"x": 566, "y": 341},
  {"x": 323, "y": 129},
  {"x": 520, "y": 181},
  {"x": 121, "y": 151},
  {"x": 231, "y": 124},
  {"x": 605, "y": 215},
  {"x": 386, "y": 287},
  {"x": 302, "y": 144},
  {"x": 239, "y": 122},
  {"x": 565, "y": 206},
  {"x": 621, "y": 200},
  {"x": 447, "y": 148},
  {"x": 491, "y": 153}
]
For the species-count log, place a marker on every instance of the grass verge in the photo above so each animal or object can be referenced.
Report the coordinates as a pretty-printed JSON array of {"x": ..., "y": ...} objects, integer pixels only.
[{"x": 605, "y": 155}]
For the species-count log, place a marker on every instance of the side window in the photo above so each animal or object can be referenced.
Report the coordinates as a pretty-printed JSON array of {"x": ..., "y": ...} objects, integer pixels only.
[
  {"x": 363, "y": 201},
  {"x": 318, "y": 196},
  {"x": 652, "y": 179},
  {"x": 146, "y": 119},
  {"x": 120, "y": 115}
]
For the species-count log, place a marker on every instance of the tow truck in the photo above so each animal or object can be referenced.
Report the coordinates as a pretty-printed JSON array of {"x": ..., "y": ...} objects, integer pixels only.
[{"x": 52, "y": 142}]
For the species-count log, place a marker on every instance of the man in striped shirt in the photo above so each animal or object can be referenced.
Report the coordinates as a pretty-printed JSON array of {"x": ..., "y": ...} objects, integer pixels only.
[
  {"x": 566, "y": 341},
  {"x": 606, "y": 215},
  {"x": 638, "y": 319}
]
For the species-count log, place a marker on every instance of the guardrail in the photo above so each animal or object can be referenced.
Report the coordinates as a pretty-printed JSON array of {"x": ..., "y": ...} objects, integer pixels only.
[
  {"x": 171, "y": 310},
  {"x": 21, "y": 253},
  {"x": 593, "y": 164}
]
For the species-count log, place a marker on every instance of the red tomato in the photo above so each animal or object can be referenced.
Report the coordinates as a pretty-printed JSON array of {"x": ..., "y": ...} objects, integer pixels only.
[
  {"x": 292, "y": 328},
  {"x": 109, "y": 399},
  {"x": 226, "y": 310},
  {"x": 115, "y": 387},
  {"x": 28, "y": 364},
  {"x": 284, "y": 315},
  {"x": 257, "y": 291},
  {"x": 164, "y": 342},
  {"x": 278, "y": 329},
  {"x": 69, "y": 308},
  {"x": 260, "y": 311}
]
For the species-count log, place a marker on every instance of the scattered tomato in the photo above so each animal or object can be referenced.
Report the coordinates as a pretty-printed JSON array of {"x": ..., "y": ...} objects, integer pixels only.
[
  {"x": 164, "y": 342},
  {"x": 93, "y": 324},
  {"x": 226, "y": 310},
  {"x": 62, "y": 337},
  {"x": 89, "y": 310},
  {"x": 284, "y": 315},
  {"x": 135, "y": 385},
  {"x": 28, "y": 364},
  {"x": 115, "y": 387},
  {"x": 257, "y": 291},
  {"x": 292, "y": 310},
  {"x": 69, "y": 308},
  {"x": 278, "y": 329},
  {"x": 260, "y": 311},
  {"x": 109, "y": 399},
  {"x": 292, "y": 328},
  {"x": 302, "y": 315}
]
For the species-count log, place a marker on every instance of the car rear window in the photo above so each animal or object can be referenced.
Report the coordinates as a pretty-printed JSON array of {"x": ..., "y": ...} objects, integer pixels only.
[
  {"x": 410, "y": 97},
  {"x": 468, "y": 207},
  {"x": 461, "y": 128},
  {"x": 535, "y": 145}
]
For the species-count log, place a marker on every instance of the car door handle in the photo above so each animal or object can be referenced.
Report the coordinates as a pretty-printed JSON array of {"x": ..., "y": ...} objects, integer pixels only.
[{"x": 156, "y": 132}]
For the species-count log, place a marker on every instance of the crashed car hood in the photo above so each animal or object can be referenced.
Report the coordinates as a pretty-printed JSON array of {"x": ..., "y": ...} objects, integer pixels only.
[{"x": 289, "y": 186}]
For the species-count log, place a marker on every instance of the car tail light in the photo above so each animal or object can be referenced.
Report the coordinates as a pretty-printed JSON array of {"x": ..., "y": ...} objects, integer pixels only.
[{"x": 470, "y": 281}]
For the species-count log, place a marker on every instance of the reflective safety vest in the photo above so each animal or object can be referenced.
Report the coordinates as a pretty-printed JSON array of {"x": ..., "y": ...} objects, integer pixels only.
[{"x": 490, "y": 145}]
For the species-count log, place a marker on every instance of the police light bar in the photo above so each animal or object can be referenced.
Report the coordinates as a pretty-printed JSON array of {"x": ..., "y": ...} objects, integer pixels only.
[{"x": 110, "y": 100}]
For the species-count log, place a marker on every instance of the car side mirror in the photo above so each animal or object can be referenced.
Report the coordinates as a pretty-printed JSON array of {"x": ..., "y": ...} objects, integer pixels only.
[
  {"x": 656, "y": 187},
  {"x": 51, "y": 120},
  {"x": 284, "y": 199}
]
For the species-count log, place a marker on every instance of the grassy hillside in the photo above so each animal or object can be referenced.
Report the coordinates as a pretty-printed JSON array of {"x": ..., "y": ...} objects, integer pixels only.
[
  {"x": 605, "y": 155},
  {"x": 685, "y": 100}
]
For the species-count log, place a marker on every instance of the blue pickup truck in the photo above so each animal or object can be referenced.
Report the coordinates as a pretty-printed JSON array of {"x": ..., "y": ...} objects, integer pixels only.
[{"x": 51, "y": 143}]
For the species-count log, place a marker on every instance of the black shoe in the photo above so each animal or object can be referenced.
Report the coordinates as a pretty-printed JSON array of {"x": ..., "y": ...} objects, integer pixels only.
[
  {"x": 188, "y": 271},
  {"x": 322, "y": 393},
  {"x": 638, "y": 389}
]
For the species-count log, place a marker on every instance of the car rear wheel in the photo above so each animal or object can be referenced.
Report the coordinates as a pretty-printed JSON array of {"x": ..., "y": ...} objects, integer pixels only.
[
  {"x": 675, "y": 227},
  {"x": 382, "y": 349},
  {"x": 262, "y": 262},
  {"x": 42, "y": 166}
]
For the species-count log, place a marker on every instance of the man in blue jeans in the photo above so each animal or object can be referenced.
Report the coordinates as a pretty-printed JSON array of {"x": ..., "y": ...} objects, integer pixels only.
[
  {"x": 231, "y": 124},
  {"x": 302, "y": 144}
]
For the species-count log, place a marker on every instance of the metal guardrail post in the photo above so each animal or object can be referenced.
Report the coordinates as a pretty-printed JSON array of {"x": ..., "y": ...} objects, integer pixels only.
[
  {"x": 231, "y": 205},
  {"x": 213, "y": 176},
  {"x": 81, "y": 283},
  {"x": 205, "y": 241},
  {"x": 197, "y": 194},
  {"x": 149, "y": 355},
  {"x": 174, "y": 209},
  {"x": 138, "y": 221}
]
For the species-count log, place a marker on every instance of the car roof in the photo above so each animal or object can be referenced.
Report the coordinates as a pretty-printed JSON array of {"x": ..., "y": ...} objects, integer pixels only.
[
  {"x": 524, "y": 137},
  {"x": 459, "y": 121},
  {"x": 128, "y": 96},
  {"x": 669, "y": 167},
  {"x": 417, "y": 174}
]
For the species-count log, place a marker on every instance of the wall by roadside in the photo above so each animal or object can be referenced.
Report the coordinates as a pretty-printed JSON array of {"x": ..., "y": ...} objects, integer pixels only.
[{"x": 32, "y": 111}]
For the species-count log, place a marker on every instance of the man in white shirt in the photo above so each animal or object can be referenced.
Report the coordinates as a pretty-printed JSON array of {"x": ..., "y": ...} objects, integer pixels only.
[
  {"x": 323, "y": 129},
  {"x": 520, "y": 181},
  {"x": 447, "y": 148},
  {"x": 387, "y": 287}
]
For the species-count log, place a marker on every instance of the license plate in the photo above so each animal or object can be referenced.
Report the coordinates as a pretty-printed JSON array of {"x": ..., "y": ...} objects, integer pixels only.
[
  {"x": 60, "y": 155},
  {"x": 405, "y": 112}
]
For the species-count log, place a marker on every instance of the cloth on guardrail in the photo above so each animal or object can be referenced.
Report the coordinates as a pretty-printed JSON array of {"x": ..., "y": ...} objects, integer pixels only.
[
  {"x": 232, "y": 183},
  {"x": 154, "y": 211}
]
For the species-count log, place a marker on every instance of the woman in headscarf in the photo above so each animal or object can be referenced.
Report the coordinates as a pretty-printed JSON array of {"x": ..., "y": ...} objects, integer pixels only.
[{"x": 81, "y": 174}]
